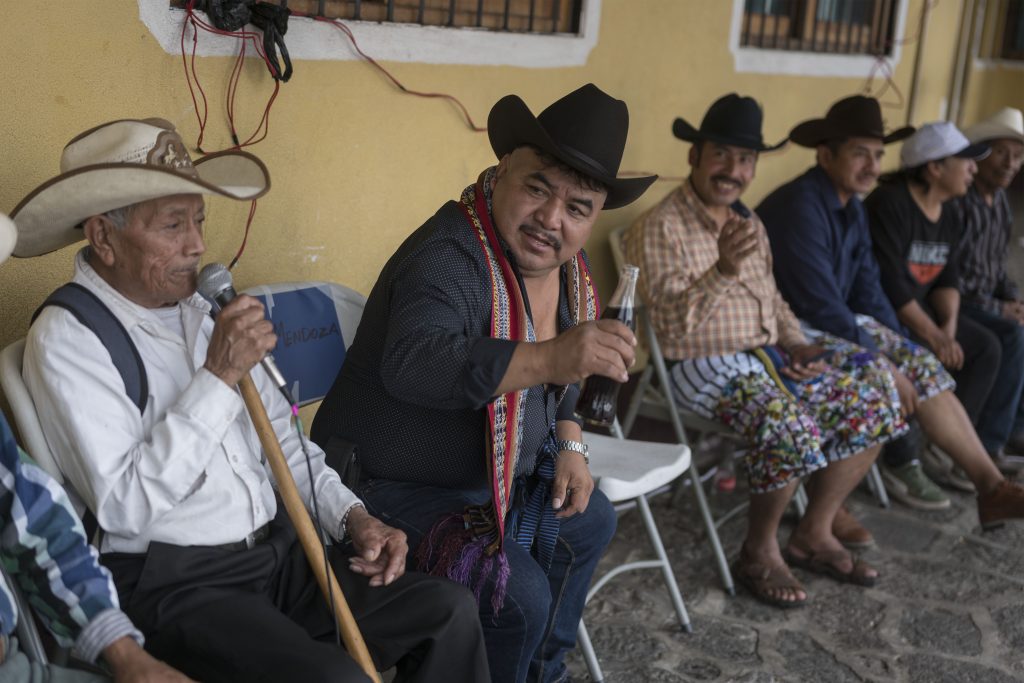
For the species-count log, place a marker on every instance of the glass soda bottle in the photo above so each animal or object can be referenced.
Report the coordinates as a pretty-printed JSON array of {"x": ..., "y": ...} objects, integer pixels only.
[{"x": 598, "y": 400}]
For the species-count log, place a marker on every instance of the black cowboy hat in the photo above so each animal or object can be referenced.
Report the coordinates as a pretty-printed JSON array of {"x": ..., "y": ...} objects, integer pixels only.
[
  {"x": 856, "y": 116},
  {"x": 731, "y": 120},
  {"x": 585, "y": 130}
]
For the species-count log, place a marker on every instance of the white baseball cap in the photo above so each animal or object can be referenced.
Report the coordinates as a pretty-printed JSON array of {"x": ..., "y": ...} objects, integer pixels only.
[{"x": 938, "y": 140}]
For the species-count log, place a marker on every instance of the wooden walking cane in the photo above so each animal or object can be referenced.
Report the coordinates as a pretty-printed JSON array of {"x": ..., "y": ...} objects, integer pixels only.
[{"x": 297, "y": 512}]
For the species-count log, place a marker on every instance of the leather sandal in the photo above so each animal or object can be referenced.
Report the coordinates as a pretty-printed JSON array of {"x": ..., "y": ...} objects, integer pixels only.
[
  {"x": 827, "y": 563},
  {"x": 850, "y": 532},
  {"x": 762, "y": 580}
]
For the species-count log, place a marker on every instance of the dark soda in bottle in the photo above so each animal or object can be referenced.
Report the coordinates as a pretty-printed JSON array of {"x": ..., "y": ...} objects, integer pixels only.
[{"x": 599, "y": 397}]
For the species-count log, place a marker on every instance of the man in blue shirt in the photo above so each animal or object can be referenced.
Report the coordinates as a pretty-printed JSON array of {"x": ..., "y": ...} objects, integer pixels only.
[
  {"x": 827, "y": 272},
  {"x": 44, "y": 550}
]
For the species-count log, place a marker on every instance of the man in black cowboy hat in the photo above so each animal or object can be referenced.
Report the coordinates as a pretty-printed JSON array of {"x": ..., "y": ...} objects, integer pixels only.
[
  {"x": 206, "y": 562},
  {"x": 827, "y": 271},
  {"x": 742, "y": 359},
  {"x": 459, "y": 388}
]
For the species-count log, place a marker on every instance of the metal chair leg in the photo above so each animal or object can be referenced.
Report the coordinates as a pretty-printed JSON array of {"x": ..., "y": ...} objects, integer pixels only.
[
  {"x": 637, "y": 399},
  {"x": 800, "y": 500},
  {"x": 666, "y": 568},
  {"x": 709, "y": 525},
  {"x": 589, "y": 656},
  {"x": 877, "y": 485}
]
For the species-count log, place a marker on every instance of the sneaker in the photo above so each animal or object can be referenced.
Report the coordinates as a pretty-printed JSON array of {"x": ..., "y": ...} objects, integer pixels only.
[
  {"x": 912, "y": 487},
  {"x": 941, "y": 469},
  {"x": 1005, "y": 501}
]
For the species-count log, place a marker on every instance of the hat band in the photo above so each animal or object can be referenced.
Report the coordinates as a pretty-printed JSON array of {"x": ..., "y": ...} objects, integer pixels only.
[{"x": 585, "y": 160}]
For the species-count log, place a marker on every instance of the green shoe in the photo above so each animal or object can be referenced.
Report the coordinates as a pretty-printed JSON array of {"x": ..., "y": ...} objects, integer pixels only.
[{"x": 912, "y": 487}]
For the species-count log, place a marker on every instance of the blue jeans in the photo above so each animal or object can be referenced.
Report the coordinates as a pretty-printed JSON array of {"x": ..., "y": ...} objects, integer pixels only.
[
  {"x": 1002, "y": 414},
  {"x": 527, "y": 639}
]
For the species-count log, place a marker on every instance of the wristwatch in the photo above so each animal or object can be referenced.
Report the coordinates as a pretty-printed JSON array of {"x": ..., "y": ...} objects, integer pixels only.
[{"x": 576, "y": 447}]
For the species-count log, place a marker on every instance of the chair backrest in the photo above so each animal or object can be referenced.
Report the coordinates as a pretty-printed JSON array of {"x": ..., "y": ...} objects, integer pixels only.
[
  {"x": 315, "y": 323},
  {"x": 25, "y": 417}
]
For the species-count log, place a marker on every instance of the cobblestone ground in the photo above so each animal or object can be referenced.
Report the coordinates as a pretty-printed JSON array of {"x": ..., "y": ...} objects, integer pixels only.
[{"x": 949, "y": 607}]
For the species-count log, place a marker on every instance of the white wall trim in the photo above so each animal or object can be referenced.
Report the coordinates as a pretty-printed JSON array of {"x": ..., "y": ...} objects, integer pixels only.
[
  {"x": 756, "y": 60},
  {"x": 995, "y": 64},
  {"x": 308, "y": 39}
]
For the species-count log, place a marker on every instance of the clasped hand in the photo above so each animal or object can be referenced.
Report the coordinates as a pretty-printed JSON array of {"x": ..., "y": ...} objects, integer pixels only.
[
  {"x": 381, "y": 549},
  {"x": 805, "y": 362}
]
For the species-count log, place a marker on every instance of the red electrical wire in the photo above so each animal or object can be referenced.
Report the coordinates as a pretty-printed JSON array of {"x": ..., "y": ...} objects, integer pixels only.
[
  {"x": 338, "y": 24},
  {"x": 245, "y": 236}
]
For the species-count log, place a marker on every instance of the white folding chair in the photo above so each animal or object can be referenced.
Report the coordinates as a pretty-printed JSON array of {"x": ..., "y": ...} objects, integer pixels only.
[{"x": 629, "y": 471}]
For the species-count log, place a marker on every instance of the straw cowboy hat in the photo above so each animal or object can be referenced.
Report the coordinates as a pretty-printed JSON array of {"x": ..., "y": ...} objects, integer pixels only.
[
  {"x": 585, "y": 130},
  {"x": 731, "y": 120},
  {"x": 1005, "y": 123},
  {"x": 857, "y": 116},
  {"x": 8, "y": 236},
  {"x": 121, "y": 163}
]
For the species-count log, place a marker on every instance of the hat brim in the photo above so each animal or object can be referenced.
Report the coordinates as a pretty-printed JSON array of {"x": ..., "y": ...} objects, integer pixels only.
[
  {"x": 977, "y": 151},
  {"x": 819, "y": 131},
  {"x": 682, "y": 129},
  {"x": 511, "y": 125},
  {"x": 987, "y": 131},
  {"x": 8, "y": 237},
  {"x": 48, "y": 217}
]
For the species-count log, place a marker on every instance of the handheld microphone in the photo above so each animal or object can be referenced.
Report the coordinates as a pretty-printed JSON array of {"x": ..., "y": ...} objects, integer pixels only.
[{"x": 215, "y": 284}]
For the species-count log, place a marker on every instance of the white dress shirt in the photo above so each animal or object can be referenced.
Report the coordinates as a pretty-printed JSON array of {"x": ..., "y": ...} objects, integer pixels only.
[{"x": 190, "y": 469}]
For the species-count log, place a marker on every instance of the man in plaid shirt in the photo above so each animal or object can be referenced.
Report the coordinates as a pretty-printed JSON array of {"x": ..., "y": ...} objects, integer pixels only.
[{"x": 742, "y": 359}]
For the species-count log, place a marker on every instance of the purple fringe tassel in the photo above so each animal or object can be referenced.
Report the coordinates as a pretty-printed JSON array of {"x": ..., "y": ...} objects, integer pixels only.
[{"x": 454, "y": 552}]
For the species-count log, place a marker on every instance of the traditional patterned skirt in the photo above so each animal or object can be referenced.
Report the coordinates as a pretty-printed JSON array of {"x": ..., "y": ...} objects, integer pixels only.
[{"x": 796, "y": 429}]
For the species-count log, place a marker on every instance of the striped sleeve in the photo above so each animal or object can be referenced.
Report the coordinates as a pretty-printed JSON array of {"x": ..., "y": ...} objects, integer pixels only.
[{"x": 44, "y": 549}]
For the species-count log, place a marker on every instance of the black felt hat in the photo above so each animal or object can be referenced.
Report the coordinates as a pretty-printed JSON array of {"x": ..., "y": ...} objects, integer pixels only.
[
  {"x": 586, "y": 130},
  {"x": 857, "y": 116},
  {"x": 731, "y": 120}
]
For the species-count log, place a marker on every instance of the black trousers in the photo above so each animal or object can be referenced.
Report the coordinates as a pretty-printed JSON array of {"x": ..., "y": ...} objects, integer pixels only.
[{"x": 259, "y": 615}]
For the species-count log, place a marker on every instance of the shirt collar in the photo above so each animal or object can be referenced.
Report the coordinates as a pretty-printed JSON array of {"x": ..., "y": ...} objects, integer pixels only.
[
  {"x": 820, "y": 179},
  {"x": 691, "y": 201}
]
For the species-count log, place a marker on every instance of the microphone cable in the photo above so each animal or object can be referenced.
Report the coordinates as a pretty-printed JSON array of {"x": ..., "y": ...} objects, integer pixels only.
[{"x": 316, "y": 517}]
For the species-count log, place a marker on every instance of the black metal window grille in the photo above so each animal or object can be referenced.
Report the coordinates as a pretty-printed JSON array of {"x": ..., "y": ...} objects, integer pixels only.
[
  {"x": 520, "y": 16},
  {"x": 830, "y": 26},
  {"x": 1013, "y": 30}
]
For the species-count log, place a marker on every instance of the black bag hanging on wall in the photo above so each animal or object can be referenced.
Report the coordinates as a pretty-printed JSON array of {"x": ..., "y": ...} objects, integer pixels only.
[{"x": 231, "y": 15}]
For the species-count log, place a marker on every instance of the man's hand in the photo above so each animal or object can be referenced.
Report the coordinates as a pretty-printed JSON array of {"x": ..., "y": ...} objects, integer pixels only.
[
  {"x": 131, "y": 664},
  {"x": 906, "y": 390},
  {"x": 736, "y": 242},
  {"x": 1013, "y": 310},
  {"x": 242, "y": 336},
  {"x": 597, "y": 347},
  {"x": 806, "y": 361},
  {"x": 572, "y": 486},
  {"x": 946, "y": 347},
  {"x": 382, "y": 549}
]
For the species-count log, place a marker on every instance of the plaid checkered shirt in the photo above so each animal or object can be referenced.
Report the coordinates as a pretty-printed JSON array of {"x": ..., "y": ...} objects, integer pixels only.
[{"x": 695, "y": 309}]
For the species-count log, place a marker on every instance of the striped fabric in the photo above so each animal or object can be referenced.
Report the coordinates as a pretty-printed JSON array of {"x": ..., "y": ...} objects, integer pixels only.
[
  {"x": 43, "y": 548},
  {"x": 984, "y": 282},
  {"x": 697, "y": 311}
]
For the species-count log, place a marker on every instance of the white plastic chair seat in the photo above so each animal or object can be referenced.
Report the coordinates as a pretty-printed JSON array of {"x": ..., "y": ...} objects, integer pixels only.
[{"x": 627, "y": 469}]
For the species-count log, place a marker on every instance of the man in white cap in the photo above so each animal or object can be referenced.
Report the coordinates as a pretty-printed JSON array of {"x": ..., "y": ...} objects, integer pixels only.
[
  {"x": 43, "y": 546},
  {"x": 915, "y": 234},
  {"x": 989, "y": 296},
  {"x": 205, "y": 564}
]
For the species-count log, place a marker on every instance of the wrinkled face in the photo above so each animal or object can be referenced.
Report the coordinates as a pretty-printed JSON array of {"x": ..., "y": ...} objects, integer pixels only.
[
  {"x": 153, "y": 260},
  {"x": 720, "y": 173},
  {"x": 954, "y": 175},
  {"x": 999, "y": 168},
  {"x": 854, "y": 167},
  {"x": 543, "y": 213}
]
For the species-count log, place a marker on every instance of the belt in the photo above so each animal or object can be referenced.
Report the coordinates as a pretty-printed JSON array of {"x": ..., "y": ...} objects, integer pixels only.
[{"x": 248, "y": 542}]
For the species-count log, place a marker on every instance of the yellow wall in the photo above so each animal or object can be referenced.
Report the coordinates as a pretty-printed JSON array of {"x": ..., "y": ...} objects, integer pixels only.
[{"x": 356, "y": 166}]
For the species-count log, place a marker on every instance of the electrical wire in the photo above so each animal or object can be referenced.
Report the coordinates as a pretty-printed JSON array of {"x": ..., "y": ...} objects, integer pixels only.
[{"x": 245, "y": 236}]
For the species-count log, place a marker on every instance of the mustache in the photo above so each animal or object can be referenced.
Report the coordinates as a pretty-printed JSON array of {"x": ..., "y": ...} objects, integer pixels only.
[
  {"x": 542, "y": 235},
  {"x": 726, "y": 179}
]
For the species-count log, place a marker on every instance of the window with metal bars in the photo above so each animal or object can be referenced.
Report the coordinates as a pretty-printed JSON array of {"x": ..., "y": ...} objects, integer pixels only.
[
  {"x": 523, "y": 16},
  {"x": 829, "y": 26},
  {"x": 1013, "y": 30}
]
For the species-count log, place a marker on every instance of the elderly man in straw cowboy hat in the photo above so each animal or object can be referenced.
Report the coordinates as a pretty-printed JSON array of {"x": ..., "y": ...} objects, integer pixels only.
[
  {"x": 460, "y": 386},
  {"x": 826, "y": 269},
  {"x": 814, "y": 406},
  {"x": 205, "y": 563},
  {"x": 988, "y": 296},
  {"x": 43, "y": 545}
]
